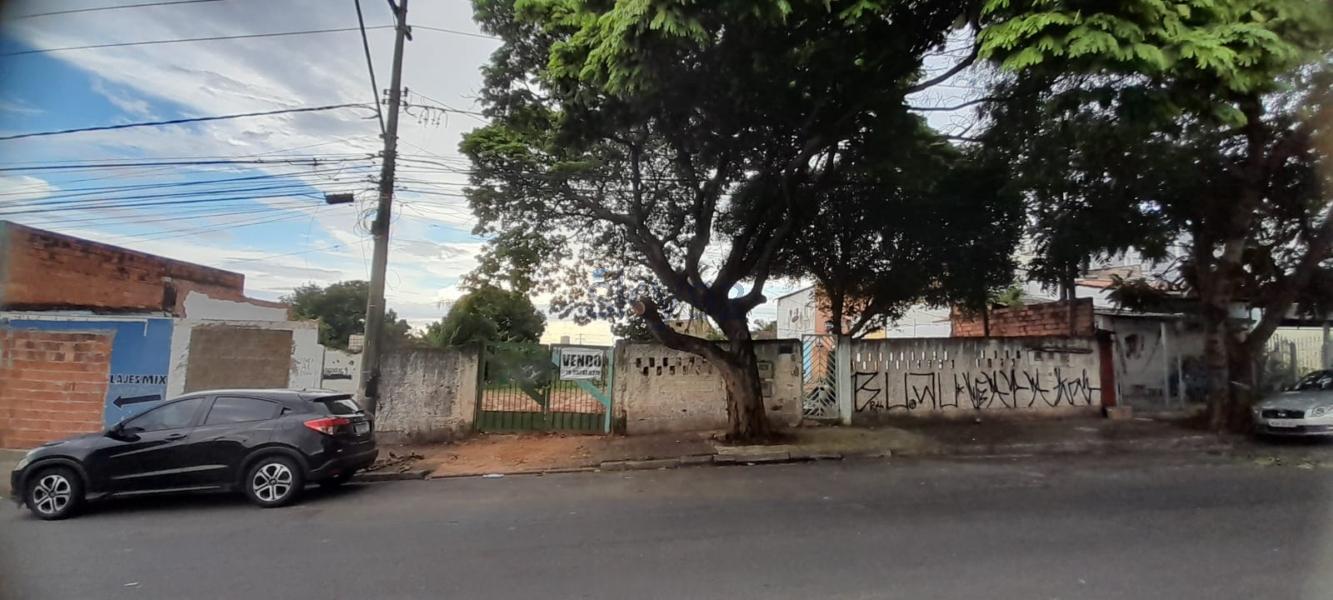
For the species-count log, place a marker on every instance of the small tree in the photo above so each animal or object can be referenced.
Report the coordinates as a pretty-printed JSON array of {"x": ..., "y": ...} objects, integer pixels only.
[
  {"x": 487, "y": 314},
  {"x": 340, "y": 309}
]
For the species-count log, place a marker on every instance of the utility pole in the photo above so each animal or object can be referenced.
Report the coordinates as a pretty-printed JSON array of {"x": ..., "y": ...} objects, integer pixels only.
[{"x": 370, "y": 356}]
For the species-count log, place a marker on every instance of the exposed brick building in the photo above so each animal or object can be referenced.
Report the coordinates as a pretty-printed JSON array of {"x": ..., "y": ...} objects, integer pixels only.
[
  {"x": 87, "y": 331},
  {"x": 52, "y": 384},
  {"x": 44, "y": 270},
  {"x": 1049, "y": 319}
]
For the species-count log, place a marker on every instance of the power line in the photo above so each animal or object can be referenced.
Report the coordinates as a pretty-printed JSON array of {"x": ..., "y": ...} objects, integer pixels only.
[
  {"x": 91, "y": 191},
  {"x": 186, "y": 120},
  {"x": 293, "y": 187},
  {"x": 183, "y": 163},
  {"x": 215, "y": 38},
  {"x": 117, "y": 7},
  {"x": 370, "y": 66},
  {"x": 457, "y": 32},
  {"x": 156, "y": 203}
]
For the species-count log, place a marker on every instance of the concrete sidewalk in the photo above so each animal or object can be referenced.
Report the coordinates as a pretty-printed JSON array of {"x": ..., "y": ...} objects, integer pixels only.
[{"x": 546, "y": 453}]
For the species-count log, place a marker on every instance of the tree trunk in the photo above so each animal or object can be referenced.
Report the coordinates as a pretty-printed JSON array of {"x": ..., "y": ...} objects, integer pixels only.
[
  {"x": 746, "y": 417},
  {"x": 1243, "y": 369},
  {"x": 1216, "y": 371},
  {"x": 747, "y": 421}
]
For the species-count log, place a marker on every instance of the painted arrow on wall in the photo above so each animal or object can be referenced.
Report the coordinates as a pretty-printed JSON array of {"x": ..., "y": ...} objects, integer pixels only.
[{"x": 122, "y": 401}]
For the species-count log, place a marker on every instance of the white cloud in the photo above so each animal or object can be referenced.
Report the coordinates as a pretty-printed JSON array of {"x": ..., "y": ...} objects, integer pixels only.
[
  {"x": 135, "y": 106},
  {"x": 18, "y": 107},
  {"x": 19, "y": 188}
]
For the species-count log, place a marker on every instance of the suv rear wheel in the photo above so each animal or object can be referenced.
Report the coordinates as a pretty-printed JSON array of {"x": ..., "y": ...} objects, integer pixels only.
[
  {"x": 274, "y": 481},
  {"x": 54, "y": 493}
]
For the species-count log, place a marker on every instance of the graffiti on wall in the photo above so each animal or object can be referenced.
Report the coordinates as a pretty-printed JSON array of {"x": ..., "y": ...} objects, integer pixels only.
[
  {"x": 140, "y": 357},
  {"x": 922, "y": 379}
]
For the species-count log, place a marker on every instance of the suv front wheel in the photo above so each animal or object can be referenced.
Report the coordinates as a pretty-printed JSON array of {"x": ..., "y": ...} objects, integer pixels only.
[
  {"x": 274, "y": 481},
  {"x": 54, "y": 493}
]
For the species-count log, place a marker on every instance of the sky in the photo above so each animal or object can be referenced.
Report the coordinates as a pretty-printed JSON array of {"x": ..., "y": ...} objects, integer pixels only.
[{"x": 265, "y": 217}]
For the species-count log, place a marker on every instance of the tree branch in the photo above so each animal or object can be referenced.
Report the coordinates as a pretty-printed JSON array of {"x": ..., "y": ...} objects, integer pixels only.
[
  {"x": 1290, "y": 287},
  {"x": 647, "y": 309},
  {"x": 957, "y": 106},
  {"x": 942, "y": 77}
]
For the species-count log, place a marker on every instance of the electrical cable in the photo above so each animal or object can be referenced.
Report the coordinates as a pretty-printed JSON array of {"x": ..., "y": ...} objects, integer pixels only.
[
  {"x": 370, "y": 66},
  {"x": 116, "y": 7},
  {"x": 185, "y": 120},
  {"x": 214, "y": 38}
]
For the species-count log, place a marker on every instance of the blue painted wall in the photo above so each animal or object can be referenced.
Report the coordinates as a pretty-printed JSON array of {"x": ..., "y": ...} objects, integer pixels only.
[{"x": 140, "y": 358}]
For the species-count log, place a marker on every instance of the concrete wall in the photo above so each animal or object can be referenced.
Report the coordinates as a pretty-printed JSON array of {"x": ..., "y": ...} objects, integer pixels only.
[
  {"x": 659, "y": 389},
  {"x": 961, "y": 377},
  {"x": 427, "y": 394},
  {"x": 1149, "y": 375},
  {"x": 342, "y": 370},
  {"x": 239, "y": 354},
  {"x": 199, "y": 305},
  {"x": 42, "y": 270},
  {"x": 52, "y": 384},
  {"x": 1049, "y": 319}
]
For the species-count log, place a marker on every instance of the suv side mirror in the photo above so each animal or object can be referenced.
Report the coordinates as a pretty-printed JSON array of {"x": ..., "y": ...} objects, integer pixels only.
[{"x": 120, "y": 432}]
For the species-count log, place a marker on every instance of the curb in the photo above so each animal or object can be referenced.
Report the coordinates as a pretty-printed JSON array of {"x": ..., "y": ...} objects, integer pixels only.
[
  {"x": 741, "y": 456},
  {"x": 373, "y": 477}
]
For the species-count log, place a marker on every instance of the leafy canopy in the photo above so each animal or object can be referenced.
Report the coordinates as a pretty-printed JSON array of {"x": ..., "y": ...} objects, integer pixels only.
[
  {"x": 341, "y": 310},
  {"x": 488, "y": 314}
]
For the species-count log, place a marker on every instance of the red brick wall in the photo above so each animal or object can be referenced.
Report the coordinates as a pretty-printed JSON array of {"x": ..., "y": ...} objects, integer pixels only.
[
  {"x": 42, "y": 270},
  {"x": 1047, "y": 319},
  {"x": 52, "y": 385}
]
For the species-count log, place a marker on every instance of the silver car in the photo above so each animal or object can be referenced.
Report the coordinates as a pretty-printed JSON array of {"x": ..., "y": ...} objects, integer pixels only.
[{"x": 1305, "y": 408}]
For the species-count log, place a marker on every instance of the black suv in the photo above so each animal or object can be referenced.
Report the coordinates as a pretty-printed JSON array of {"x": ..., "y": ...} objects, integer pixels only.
[{"x": 266, "y": 443}]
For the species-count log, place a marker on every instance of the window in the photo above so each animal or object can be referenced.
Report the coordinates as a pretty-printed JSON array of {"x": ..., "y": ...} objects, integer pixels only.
[
  {"x": 340, "y": 405},
  {"x": 170, "y": 416},
  {"x": 232, "y": 409}
]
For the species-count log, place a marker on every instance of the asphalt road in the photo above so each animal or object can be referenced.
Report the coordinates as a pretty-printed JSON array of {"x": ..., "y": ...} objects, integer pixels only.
[{"x": 1022, "y": 528}]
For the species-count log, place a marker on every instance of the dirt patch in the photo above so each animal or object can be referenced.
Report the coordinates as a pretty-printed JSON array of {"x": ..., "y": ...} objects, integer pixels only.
[
  {"x": 535, "y": 452},
  {"x": 396, "y": 461}
]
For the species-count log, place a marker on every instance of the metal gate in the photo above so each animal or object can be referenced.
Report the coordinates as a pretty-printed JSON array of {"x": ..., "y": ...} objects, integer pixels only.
[
  {"x": 819, "y": 376},
  {"x": 539, "y": 387}
]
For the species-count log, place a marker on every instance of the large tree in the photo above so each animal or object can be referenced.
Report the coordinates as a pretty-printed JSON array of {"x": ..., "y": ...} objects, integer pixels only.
[
  {"x": 341, "y": 310},
  {"x": 664, "y": 144},
  {"x": 1212, "y": 69}
]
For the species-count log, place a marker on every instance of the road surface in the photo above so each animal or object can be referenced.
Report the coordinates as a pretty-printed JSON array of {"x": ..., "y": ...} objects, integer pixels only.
[{"x": 1022, "y": 528}]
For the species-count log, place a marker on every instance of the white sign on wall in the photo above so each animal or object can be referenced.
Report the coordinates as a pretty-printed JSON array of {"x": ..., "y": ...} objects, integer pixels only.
[{"x": 581, "y": 363}]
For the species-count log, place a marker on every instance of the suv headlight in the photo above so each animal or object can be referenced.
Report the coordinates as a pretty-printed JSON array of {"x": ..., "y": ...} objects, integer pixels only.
[
  {"x": 23, "y": 462},
  {"x": 1320, "y": 411}
]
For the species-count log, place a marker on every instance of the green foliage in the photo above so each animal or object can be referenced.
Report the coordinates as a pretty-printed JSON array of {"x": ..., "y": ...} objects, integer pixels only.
[
  {"x": 487, "y": 314},
  {"x": 629, "y": 137},
  {"x": 1205, "y": 52},
  {"x": 341, "y": 311},
  {"x": 911, "y": 220}
]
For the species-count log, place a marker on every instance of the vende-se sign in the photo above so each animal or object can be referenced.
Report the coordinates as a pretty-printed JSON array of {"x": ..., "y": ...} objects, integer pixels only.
[{"x": 581, "y": 363}]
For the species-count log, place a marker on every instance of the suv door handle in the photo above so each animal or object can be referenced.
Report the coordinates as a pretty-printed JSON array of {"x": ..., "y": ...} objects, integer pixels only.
[{"x": 175, "y": 436}]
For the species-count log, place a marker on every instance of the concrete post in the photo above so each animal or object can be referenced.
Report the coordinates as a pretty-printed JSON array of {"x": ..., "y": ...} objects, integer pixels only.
[
  {"x": 1323, "y": 348},
  {"x": 843, "y": 356},
  {"x": 1166, "y": 368}
]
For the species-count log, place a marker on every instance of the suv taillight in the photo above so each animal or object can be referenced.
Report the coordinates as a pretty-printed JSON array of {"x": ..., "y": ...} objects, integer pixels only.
[{"x": 327, "y": 425}]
